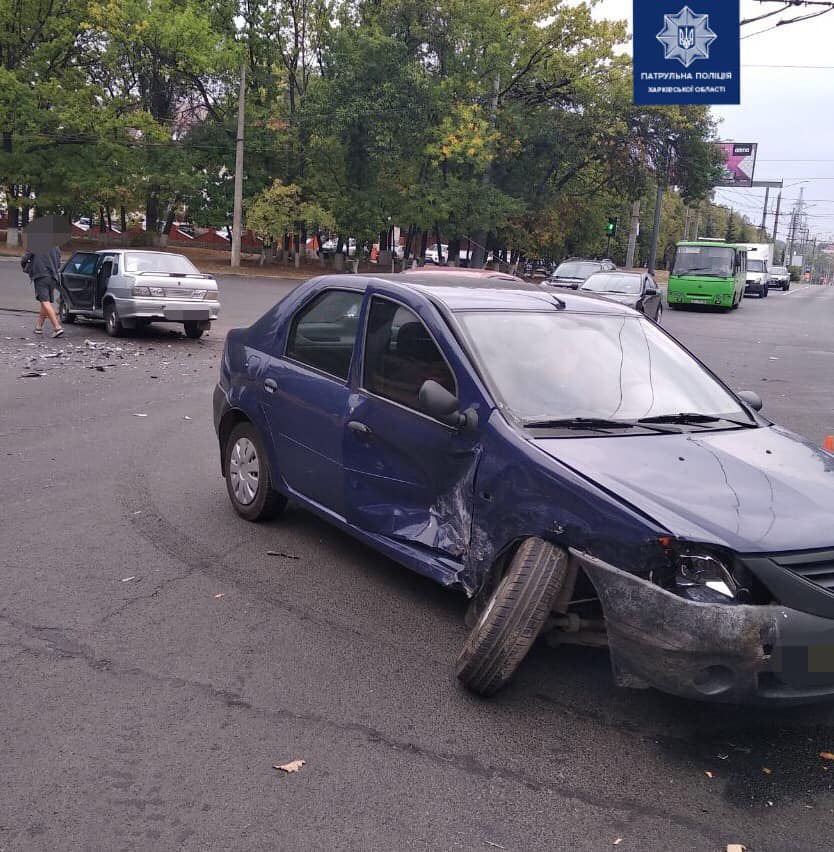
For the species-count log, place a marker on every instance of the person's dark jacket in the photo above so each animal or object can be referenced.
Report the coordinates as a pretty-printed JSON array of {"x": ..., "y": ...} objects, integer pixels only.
[{"x": 43, "y": 266}]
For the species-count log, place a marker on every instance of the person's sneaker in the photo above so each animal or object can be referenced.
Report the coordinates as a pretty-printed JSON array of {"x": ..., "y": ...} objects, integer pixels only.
[
  {"x": 38, "y": 331},
  {"x": 58, "y": 332}
]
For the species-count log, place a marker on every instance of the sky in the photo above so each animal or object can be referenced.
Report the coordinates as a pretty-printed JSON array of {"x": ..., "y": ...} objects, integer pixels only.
[{"x": 787, "y": 106}]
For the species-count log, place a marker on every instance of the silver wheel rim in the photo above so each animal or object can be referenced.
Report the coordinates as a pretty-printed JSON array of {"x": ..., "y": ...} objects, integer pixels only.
[
  {"x": 244, "y": 471},
  {"x": 111, "y": 318}
]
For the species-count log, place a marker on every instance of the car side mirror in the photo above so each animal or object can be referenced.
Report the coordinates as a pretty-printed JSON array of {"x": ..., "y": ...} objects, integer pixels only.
[
  {"x": 444, "y": 406},
  {"x": 751, "y": 398}
]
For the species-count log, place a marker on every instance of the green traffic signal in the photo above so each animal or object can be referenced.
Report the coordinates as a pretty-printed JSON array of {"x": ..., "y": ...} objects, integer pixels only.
[{"x": 611, "y": 227}]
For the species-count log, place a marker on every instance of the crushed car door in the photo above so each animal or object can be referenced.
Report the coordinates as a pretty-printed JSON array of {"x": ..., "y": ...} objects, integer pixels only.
[{"x": 408, "y": 476}]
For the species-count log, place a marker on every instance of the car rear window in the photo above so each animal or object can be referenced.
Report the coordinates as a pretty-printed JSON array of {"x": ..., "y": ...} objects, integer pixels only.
[
  {"x": 157, "y": 261},
  {"x": 400, "y": 354},
  {"x": 323, "y": 332}
]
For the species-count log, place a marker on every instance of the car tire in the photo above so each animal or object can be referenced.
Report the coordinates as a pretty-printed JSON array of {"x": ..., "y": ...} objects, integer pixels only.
[
  {"x": 64, "y": 313},
  {"x": 512, "y": 617},
  {"x": 193, "y": 330},
  {"x": 112, "y": 323},
  {"x": 764, "y": 292},
  {"x": 262, "y": 503},
  {"x": 786, "y": 287}
]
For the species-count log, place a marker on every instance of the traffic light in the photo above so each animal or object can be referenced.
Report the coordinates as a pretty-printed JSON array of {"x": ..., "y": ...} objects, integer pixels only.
[{"x": 611, "y": 227}]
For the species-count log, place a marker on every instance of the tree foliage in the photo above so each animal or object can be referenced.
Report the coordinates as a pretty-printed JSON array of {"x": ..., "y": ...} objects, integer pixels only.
[{"x": 509, "y": 125}]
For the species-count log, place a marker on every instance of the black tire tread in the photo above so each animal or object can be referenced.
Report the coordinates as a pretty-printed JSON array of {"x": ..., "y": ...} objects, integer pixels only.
[{"x": 499, "y": 642}]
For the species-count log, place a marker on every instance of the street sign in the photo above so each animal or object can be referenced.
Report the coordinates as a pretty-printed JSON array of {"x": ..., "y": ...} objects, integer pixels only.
[{"x": 686, "y": 54}]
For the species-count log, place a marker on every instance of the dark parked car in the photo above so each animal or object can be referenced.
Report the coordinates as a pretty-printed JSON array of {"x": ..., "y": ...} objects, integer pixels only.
[
  {"x": 557, "y": 457},
  {"x": 638, "y": 290},
  {"x": 571, "y": 273}
]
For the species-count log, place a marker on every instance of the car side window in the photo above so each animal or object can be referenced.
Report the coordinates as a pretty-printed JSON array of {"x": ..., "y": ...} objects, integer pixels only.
[
  {"x": 82, "y": 263},
  {"x": 323, "y": 332},
  {"x": 400, "y": 354}
]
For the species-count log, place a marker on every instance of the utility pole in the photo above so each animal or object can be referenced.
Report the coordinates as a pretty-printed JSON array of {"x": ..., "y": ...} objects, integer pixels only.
[
  {"x": 658, "y": 204},
  {"x": 764, "y": 216},
  {"x": 776, "y": 218},
  {"x": 238, "y": 205},
  {"x": 697, "y": 221},
  {"x": 633, "y": 233},
  {"x": 795, "y": 215}
]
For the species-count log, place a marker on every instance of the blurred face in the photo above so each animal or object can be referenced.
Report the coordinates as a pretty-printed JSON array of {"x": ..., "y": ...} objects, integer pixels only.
[{"x": 45, "y": 232}]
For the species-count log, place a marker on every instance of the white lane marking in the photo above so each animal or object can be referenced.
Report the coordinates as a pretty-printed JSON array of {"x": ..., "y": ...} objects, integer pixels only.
[{"x": 803, "y": 289}]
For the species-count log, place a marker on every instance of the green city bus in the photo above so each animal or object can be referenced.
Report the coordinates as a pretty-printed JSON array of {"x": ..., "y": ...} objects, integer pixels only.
[{"x": 707, "y": 272}]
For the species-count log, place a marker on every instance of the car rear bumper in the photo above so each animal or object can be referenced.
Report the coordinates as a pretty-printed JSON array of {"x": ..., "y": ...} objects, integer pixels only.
[
  {"x": 170, "y": 310},
  {"x": 711, "y": 652}
]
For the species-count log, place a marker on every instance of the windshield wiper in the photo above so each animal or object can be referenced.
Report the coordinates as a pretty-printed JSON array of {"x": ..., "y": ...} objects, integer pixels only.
[
  {"x": 691, "y": 418},
  {"x": 580, "y": 423}
]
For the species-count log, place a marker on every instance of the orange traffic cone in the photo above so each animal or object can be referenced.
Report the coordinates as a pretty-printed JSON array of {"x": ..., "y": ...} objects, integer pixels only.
[{"x": 829, "y": 444}]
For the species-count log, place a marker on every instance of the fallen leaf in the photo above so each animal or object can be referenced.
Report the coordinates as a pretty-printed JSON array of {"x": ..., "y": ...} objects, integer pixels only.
[
  {"x": 708, "y": 774},
  {"x": 220, "y": 595},
  {"x": 826, "y": 755},
  {"x": 292, "y": 766},
  {"x": 767, "y": 771}
]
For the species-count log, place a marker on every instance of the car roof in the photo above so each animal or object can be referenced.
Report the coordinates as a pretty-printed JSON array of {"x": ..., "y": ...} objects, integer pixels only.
[{"x": 462, "y": 290}]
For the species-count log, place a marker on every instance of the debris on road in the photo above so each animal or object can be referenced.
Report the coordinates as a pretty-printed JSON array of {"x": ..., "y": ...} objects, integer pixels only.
[
  {"x": 292, "y": 766},
  {"x": 219, "y": 595},
  {"x": 32, "y": 375},
  {"x": 128, "y": 579},
  {"x": 140, "y": 415},
  {"x": 736, "y": 847},
  {"x": 767, "y": 771},
  {"x": 618, "y": 841},
  {"x": 282, "y": 554},
  {"x": 494, "y": 845},
  {"x": 186, "y": 417},
  {"x": 826, "y": 755},
  {"x": 708, "y": 774}
]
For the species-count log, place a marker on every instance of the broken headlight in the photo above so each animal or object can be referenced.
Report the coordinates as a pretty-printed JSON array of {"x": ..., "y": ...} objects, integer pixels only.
[
  {"x": 703, "y": 570},
  {"x": 699, "y": 573}
]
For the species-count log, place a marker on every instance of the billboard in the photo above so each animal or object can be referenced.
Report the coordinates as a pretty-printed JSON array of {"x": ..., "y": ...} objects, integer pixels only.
[
  {"x": 740, "y": 164},
  {"x": 686, "y": 54}
]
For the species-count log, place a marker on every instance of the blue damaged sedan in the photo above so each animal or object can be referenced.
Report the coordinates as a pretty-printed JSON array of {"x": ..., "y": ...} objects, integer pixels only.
[{"x": 558, "y": 458}]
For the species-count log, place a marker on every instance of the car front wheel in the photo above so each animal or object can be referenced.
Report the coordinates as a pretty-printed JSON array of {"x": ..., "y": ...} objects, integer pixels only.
[
  {"x": 513, "y": 616},
  {"x": 66, "y": 316},
  {"x": 248, "y": 481}
]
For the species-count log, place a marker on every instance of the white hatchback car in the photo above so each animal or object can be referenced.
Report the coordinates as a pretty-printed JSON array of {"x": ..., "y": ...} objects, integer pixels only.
[{"x": 131, "y": 289}]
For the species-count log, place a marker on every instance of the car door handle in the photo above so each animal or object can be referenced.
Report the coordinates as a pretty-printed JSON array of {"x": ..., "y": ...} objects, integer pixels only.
[
  {"x": 270, "y": 385},
  {"x": 359, "y": 428}
]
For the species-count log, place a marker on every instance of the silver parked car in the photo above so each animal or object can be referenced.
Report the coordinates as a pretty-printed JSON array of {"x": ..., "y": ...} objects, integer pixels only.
[{"x": 131, "y": 289}]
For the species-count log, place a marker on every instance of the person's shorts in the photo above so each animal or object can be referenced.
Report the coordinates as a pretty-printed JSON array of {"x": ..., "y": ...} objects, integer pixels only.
[{"x": 43, "y": 290}]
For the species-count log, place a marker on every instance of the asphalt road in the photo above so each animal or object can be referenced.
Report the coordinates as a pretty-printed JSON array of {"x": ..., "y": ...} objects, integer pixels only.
[{"x": 156, "y": 661}]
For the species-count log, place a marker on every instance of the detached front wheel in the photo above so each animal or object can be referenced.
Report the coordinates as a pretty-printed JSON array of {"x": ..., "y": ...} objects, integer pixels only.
[
  {"x": 513, "y": 617},
  {"x": 64, "y": 313}
]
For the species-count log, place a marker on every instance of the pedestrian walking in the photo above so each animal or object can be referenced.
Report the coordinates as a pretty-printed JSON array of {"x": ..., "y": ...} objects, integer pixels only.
[{"x": 42, "y": 268}]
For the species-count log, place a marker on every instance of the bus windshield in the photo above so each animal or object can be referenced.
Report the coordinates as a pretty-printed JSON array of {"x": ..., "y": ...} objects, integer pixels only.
[{"x": 709, "y": 261}]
